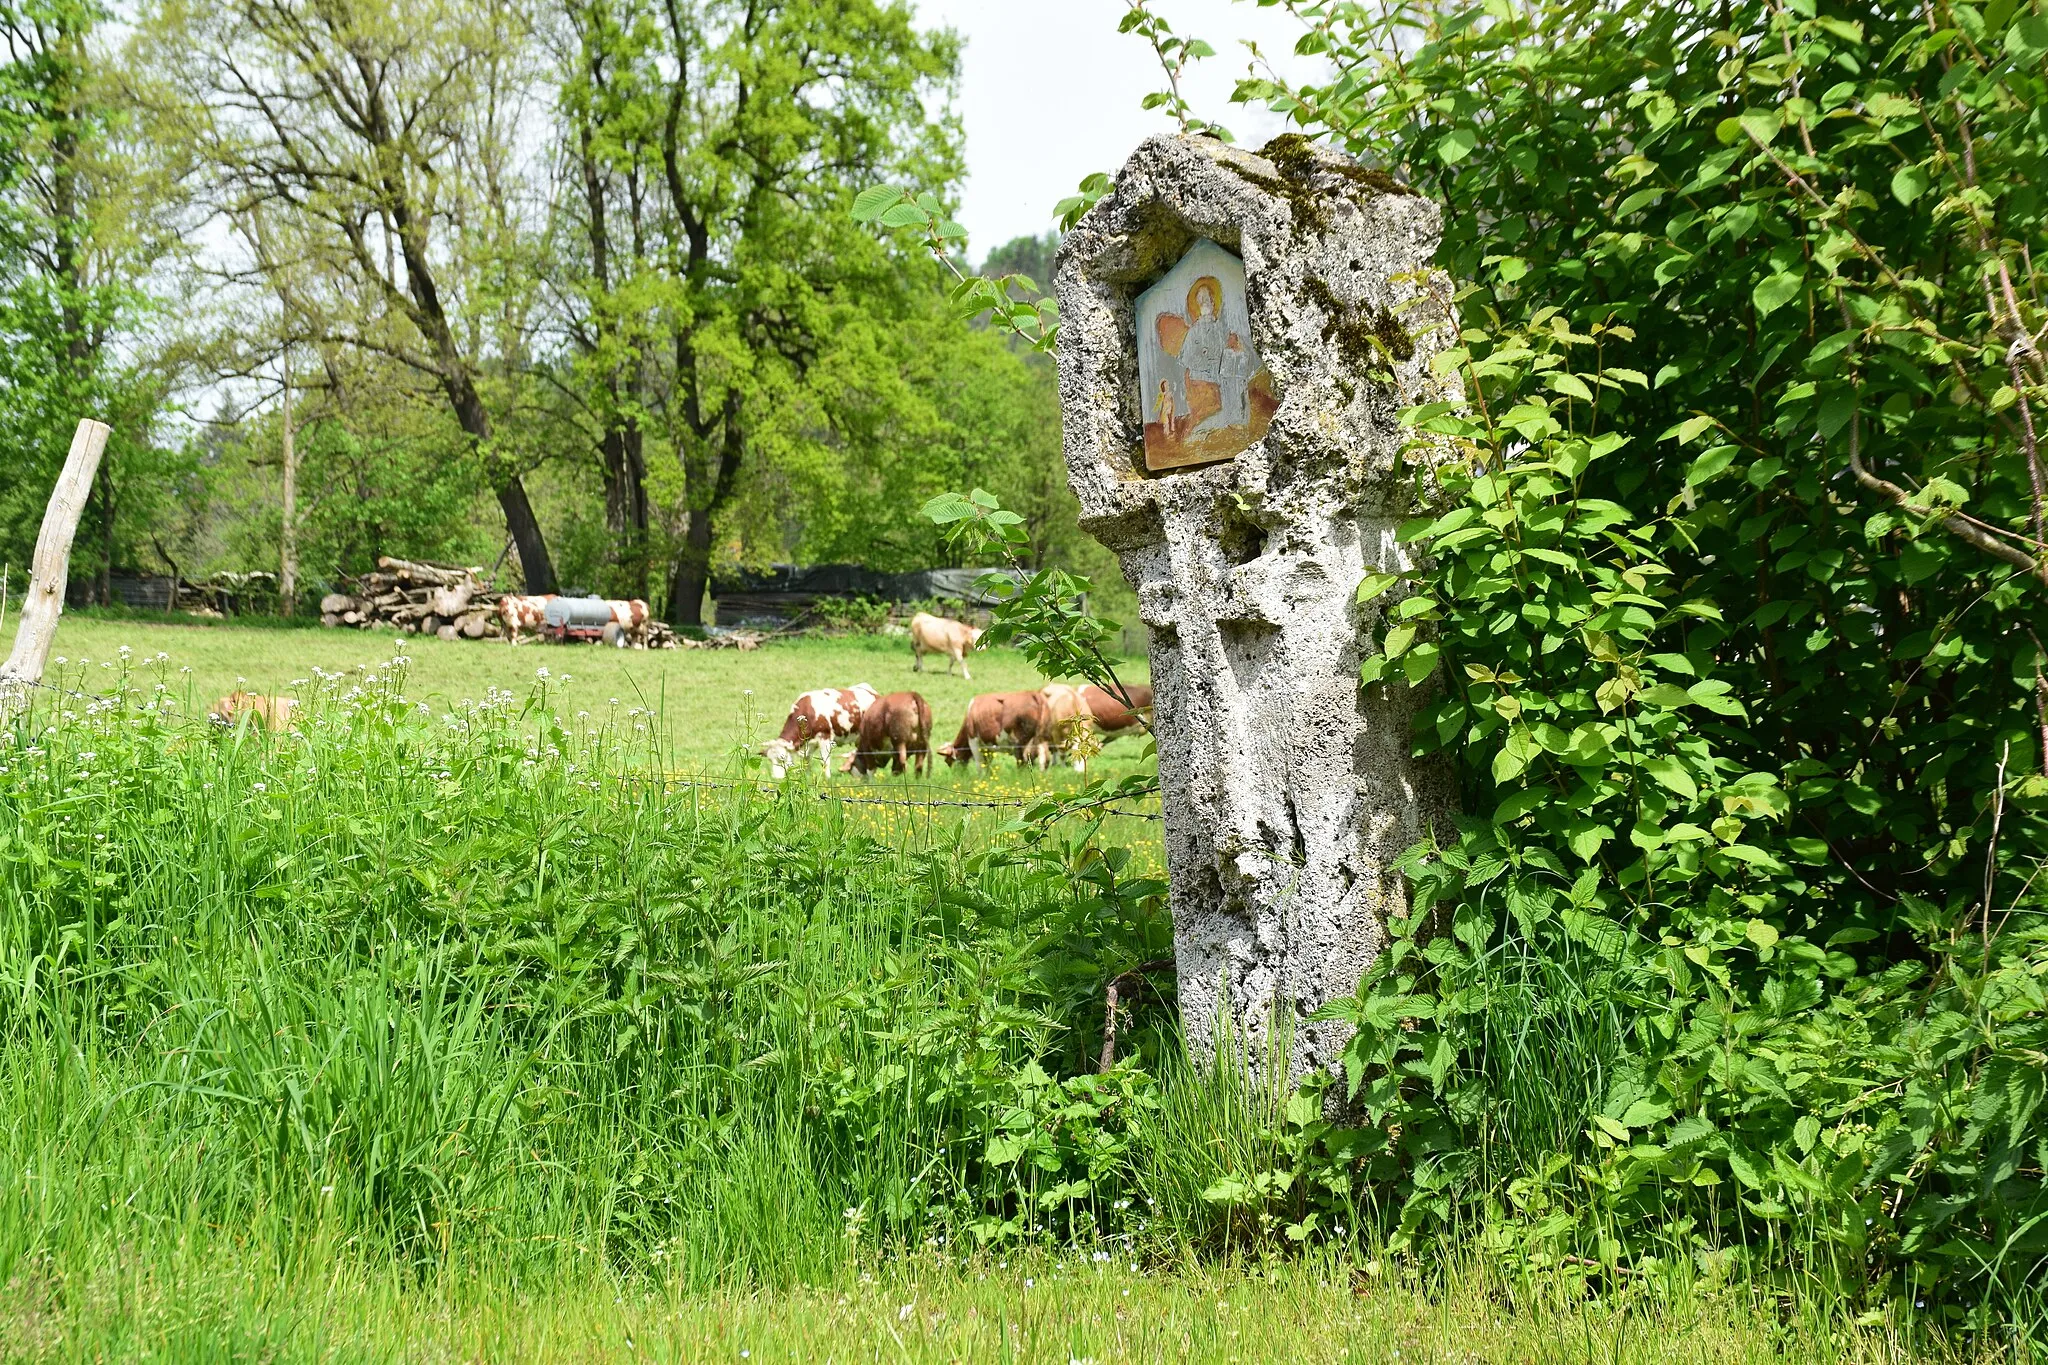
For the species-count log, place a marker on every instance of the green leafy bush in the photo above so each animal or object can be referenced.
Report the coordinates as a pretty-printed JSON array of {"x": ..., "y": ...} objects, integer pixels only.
[{"x": 1735, "y": 963}]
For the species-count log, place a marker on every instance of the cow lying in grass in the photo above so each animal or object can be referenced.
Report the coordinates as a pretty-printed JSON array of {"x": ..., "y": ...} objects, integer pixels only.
[
  {"x": 997, "y": 721},
  {"x": 897, "y": 730},
  {"x": 816, "y": 721},
  {"x": 931, "y": 634},
  {"x": 272, "y": 713}
]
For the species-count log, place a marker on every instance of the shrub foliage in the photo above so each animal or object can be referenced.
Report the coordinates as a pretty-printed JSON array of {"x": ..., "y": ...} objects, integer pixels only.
[{"x": 1737, "y": 602}]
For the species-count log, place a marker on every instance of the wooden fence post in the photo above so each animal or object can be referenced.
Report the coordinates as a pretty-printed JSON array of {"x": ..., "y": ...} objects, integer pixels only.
[{"x": 51, "y": 569}]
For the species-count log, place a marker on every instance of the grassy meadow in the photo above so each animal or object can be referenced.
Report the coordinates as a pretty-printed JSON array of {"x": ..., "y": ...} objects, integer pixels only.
[
  {"x": 709, "y": 703},
  {"x": 449, "y": 1031}
]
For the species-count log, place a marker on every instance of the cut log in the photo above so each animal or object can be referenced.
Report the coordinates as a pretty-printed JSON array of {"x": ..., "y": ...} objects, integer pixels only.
[
  {"x": 450, "y": 632},
  {"x": 335, "y": 603},
  {"x": 330, "y": 619},
  {"x": 435, "y": 575},
  {"x": 451, "y": 602}
]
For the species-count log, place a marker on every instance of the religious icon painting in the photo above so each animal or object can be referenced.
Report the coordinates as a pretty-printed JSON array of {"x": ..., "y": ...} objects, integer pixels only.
[{"x": 1204, "y": 392}]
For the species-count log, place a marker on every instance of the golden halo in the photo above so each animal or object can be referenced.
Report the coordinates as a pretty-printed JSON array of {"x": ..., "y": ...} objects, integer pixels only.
[{"x": 1209, "y": 285}]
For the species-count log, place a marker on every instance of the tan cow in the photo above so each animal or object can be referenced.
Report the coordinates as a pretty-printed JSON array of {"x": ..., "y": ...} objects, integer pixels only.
[
  {"x": 995, "y": 721},
  {"x": 1067, "y": 718},
  {"x": 816, "y": 720},
  {"x": 272, "y": 713},
  {"x": 896, "y": 729},
  {"x": 517, "y": 613},
  {"x": 1114, "y": 718},
  {"x": 931, "y": 634}
]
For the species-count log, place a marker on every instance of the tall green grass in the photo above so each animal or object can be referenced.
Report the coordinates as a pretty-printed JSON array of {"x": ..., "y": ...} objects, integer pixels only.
[{"x": 475, "y": 980}]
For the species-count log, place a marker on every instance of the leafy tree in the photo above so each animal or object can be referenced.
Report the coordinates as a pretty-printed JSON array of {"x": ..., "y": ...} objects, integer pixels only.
[
  {"x": 81, "y": 219},
  {"x": 1798, "y": 246},
  {"x": 1031, "y": 257},
  {"x": 606, "y": 227},
  {"x": 753, "y": 123},
  {"x": 380, "y": 142}
]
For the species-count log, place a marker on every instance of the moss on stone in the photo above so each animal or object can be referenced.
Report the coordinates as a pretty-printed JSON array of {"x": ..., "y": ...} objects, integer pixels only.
[
  {"x": 1294, "y": 156},
  {"x": 1366, "y": 337},
  {"x": 1307, "y": 183}
]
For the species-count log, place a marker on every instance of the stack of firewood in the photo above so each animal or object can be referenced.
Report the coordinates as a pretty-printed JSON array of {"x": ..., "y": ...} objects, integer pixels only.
[
  {"x": 452, "y": 603},
  {"x": 426, "y": 599}
]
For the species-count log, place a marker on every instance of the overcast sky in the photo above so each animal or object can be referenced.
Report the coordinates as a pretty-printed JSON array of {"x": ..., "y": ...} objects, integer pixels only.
[{"x": 1049, "y": 91}]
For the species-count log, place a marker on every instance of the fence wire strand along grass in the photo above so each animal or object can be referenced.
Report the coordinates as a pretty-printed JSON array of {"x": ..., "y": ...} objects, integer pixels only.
[{"x": 923, "y": 796}]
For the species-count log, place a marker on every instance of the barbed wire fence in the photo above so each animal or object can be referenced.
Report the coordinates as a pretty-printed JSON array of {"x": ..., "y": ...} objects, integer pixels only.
[{"x": 916, "y": 796}]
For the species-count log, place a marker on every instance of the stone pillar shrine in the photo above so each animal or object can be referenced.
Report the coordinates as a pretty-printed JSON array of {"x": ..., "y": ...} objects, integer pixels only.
[{"x": 1238, "y": 334}]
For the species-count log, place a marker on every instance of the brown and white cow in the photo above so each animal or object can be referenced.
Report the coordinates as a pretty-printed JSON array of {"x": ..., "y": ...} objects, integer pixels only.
[
  {"x": 896, "y": 730},
  {"x": 522, "y": 613},
  {"x": 272, "y": 713},
  {"x": 995, "y": 721},
  {"x": 631, "y": 617},
  {"x": 931, "y": 634},
  {"x": 816, "y": 720}
]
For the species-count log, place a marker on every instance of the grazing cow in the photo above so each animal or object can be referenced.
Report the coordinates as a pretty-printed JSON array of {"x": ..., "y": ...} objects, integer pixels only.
[
  {"x": 1112, "y": 717},
  {"x": 815, "y": 721},
  {"x": 1067, "y": 717},
  {"x": 631, "y": 616},
  {"x": 931, "y": 634},
  {"x": 896, "y": 729},
  {"x": 997, "y": 720},
  {"x": 517, "y": 612},
  {"x": 272, "y": 713}
]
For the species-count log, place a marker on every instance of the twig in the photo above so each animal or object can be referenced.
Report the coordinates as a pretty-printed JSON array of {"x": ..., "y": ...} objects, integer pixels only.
[
  {"x": 1962, "y": 529},
  {"x": 1136, "y": 975},
  {"x": 1180, "y": 105},
  {"x": 2015, "y": 357},
  {"x": 1991, "y": 855}
]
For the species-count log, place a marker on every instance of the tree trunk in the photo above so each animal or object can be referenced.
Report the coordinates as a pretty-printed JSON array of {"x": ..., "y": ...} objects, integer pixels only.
[
  {"x": 691, "y": 574},
  {"x": 288, "y": 548},
  {"x": 534, "y": 564},
  {"x": 625, "y": 502}
]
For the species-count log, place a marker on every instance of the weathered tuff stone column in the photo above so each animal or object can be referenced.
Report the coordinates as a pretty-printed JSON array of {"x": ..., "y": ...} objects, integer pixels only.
[{"x": 1231, "y": 433}]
